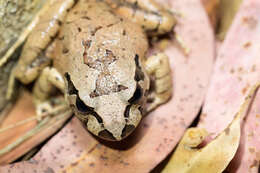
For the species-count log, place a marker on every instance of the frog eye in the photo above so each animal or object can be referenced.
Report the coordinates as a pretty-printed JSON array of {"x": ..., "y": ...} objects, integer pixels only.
[
  {"x": 137, "y": 94},
  {"x": 82, "y": 107}
]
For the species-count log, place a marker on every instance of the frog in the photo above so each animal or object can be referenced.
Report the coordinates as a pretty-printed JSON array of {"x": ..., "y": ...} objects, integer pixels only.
[{"x": 95, "y": 53}]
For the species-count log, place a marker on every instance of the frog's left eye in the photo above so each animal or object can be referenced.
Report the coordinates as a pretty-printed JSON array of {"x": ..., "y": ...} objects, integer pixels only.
[
  {"x": 82, "y": 107},
  {"x": 137, "y": 94}
]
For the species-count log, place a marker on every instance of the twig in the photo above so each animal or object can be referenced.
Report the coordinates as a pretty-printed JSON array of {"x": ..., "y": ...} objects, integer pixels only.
[{"x": 55, "y": 111}]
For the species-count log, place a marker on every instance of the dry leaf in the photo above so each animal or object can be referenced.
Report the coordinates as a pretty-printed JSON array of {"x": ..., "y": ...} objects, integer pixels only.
[
  {"x": 236, "y": 70},
  {"x": 16, "y": 141},
  {"x": 191, "y": 157}
]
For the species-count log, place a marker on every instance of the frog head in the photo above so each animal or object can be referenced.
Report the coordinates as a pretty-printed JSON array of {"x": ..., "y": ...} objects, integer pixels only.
[{"x": 109, "y": 101}]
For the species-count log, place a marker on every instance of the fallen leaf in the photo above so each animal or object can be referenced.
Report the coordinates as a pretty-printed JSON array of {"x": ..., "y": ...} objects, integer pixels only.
[
  {"x": 190, "y": 155},
  {"x": 236, "y": 70}
]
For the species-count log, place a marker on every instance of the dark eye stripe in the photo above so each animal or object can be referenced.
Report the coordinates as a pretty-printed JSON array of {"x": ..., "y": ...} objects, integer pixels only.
[
  {"x": 137, "y": 94},
  {"x": 80, "y": 105},
  {"x": 127, "y": 111},
  {"x": 71, "y": 87},
  {"x": 139, "y": 74}
]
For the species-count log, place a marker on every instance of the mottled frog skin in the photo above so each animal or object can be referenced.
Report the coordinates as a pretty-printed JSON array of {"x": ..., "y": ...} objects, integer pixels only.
[{"x": 95, "y": 52}]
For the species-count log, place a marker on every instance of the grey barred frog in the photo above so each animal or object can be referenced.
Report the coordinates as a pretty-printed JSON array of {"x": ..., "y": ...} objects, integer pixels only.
[{"x": 95, "y": 52}]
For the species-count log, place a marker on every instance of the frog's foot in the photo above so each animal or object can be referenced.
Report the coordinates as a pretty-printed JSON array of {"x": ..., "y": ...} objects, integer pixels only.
[
  {"x": 159, "y": 67},
  {"x": 43, "y": 108},
  {"x": 154, "y": 18},
  {"x": 157, "y": 99},
  {"x": 49, "y": 80}
]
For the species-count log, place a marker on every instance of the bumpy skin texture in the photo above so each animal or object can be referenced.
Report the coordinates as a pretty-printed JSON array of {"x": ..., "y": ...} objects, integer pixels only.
[{"x": 100, "y": 57}]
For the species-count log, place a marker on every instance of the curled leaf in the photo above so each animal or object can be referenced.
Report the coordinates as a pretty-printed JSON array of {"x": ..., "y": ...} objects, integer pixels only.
[{"x": 190, "y": 157}]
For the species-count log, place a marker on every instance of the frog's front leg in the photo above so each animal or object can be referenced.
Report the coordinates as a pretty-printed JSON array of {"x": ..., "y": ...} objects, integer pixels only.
[
  {"x": 154, "y": 18},
  {"x": 49, "y": 80},
  {"x": 33, "y": 59},
  {"x": 158, "y": 66}
]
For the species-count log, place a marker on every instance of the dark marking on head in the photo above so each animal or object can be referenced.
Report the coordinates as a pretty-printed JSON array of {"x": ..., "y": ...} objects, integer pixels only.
[
  {"x": 86, "y": 44},
  {"x": 95, "y": 30},
  {"x": 82, "y": 107},
  {"x": 137, "y": 95},
  {"x": 71, "y": 88},
  {"x": 127, "y": 111},
  {"x": 128, "y": 129},
  {"x": 104, "y": 90},
  {"x": 139, "y": 74},
  {"x": 110, "y": 57},
  {"x": 105, "y": 134}
]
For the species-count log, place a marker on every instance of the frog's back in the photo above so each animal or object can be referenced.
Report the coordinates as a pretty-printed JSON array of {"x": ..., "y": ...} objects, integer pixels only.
[{"x": 91, "y": 28}]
